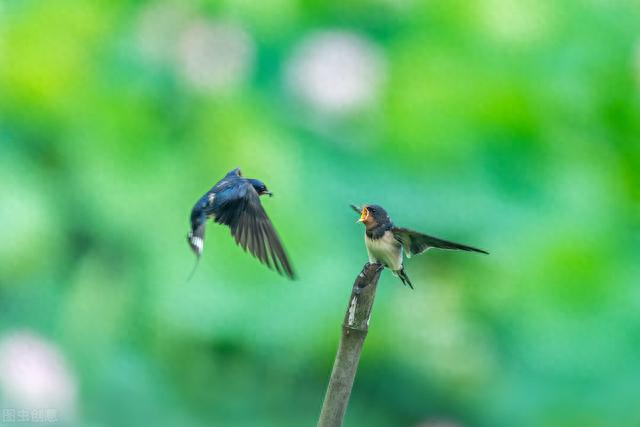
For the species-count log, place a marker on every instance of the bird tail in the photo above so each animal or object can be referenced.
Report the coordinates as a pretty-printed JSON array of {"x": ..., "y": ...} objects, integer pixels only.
[
  {"x": 403, "y": 276},
  {"x": 195, "y": 238},
  {"x": 196, "y": 242},
  {"x": 193, "y": 271}
]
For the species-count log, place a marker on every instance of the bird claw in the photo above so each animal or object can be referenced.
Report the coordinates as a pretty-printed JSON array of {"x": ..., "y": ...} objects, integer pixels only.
[
  {"x": 379, "y": 267},
  {"x": 364, "y": 269},
  {"x": 361, "y": 283}
]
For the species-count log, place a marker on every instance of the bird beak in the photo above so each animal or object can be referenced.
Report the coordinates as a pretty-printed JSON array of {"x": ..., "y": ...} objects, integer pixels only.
[
  {"x": 363, "y": 215},
  {"x": 269, "y": 193}
]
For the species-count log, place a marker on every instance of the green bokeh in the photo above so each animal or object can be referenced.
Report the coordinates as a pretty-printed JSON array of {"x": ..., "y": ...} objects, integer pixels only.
[{"x": 509, "y": 125}]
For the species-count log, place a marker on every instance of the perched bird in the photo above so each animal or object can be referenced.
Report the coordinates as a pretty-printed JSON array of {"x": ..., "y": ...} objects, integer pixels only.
[
  {"x": 385, "y": 242},
  {"x": 235, "y": 201}
]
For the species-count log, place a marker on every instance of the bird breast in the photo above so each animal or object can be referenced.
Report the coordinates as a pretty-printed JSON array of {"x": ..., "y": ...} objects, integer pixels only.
[{"x": 385, "y": 250}]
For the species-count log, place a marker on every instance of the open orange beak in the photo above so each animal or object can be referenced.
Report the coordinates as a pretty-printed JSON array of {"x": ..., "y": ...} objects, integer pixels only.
[{"x": 363, "y": 215}]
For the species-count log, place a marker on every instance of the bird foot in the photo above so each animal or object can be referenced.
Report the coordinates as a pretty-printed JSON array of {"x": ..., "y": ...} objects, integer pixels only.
[
  {"x": 379, "y": 267},
  {"x": 361, "y": 282}
]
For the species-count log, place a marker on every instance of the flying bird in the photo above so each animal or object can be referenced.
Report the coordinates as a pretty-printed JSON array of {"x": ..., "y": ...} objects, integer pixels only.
[
  {"x": 235, "y": 202},
  {"x": 385, "y": 242}
]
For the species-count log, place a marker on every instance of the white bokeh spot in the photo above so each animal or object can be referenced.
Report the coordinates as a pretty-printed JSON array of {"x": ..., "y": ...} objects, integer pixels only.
[
  {"x": 34, "y": 375},
  {"x": 215, "y": 56},
  {"x": 336, "y": 71}
]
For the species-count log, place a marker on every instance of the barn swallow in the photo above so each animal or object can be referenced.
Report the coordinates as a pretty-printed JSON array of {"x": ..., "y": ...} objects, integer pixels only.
[
  {"x": 385, "y": 242},
  {"x": 235, "y": 201}
]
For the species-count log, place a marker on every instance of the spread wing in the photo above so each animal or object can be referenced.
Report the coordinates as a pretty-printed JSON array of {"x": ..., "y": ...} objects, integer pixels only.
[
  {"x": 251, "y": 228},
  {"x": 415, "y": 243}
]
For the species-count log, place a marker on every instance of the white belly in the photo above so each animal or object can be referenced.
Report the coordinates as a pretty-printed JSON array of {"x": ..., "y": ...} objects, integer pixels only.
[{"x": 385, "y": 250}]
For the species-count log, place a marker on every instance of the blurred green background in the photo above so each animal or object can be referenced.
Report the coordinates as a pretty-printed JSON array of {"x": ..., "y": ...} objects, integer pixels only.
[{"x": 511, "y": 125}]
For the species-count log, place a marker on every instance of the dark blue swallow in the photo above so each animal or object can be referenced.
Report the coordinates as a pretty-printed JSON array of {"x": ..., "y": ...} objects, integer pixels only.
[{"x": 235, "y": 201}]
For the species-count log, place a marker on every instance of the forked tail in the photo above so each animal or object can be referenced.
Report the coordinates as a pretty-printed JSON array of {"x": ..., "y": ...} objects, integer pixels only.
[
  {"x": 196, "y": 242},
  {"x": 403, "y": 276}
]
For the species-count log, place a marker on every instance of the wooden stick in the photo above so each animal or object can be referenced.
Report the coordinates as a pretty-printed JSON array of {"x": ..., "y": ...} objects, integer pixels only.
[{"x": 354, "y": 331}]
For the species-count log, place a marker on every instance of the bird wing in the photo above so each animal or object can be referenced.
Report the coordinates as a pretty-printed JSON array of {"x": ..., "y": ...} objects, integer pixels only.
[
  {"x": 251, "y": 228},
  {"x": 415, "y": 243}
]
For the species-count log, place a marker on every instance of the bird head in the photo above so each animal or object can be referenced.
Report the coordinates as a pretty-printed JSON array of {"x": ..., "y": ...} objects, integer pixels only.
[
  {"x": 260, "y": 188},
  {"x": 373, "y": 215}
]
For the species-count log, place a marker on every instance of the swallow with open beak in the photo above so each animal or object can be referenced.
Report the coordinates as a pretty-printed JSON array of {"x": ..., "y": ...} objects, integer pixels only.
[
  {"x": 385, "y": 242},
  {"x": 235, "y": 201}
]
